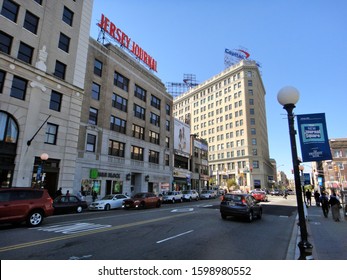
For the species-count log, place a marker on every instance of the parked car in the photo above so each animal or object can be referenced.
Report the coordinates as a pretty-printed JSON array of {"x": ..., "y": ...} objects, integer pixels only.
[
  {"x": 142, "y": 200},
  {"x": 208, "y": 194},
  {"x": 110, "y": 201},
  {"x": 68, "y": 204},
  {"x": 275, "y": 192},
  {"x": 28, "y": 205},
  {"x": 260, "y": 195},
  {"x": 174, "y": 196},
  {"x": 240, "y": 205},
  {"x": 190, "y": 195}
]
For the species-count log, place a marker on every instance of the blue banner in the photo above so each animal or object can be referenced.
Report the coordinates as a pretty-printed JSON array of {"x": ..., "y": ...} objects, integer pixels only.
[{"x": 313, "y": 136}]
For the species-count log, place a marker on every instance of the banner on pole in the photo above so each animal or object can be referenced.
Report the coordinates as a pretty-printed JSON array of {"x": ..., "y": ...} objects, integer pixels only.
[{"x": 313, "y": 136}]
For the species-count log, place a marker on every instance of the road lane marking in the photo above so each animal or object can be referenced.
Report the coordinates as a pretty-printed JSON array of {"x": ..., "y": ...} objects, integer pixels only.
[
  {"x": 75, "y": 235},
  {"x": 72, "y": 228},
  {"x": 175, "y": 236},
  {"x": 182, "y": 210}
]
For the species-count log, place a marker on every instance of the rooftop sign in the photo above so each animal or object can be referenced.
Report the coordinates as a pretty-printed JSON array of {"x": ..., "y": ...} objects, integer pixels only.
[{"x": 123, "y": 39}]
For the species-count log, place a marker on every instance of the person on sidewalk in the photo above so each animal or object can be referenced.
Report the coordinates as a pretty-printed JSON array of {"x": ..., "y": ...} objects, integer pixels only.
[
  {"x": 324, "y": 200},
  {"x": 316, "y": 198},
  {"x": 335, "y": 207},
  {"x": 308, "y": 197}
]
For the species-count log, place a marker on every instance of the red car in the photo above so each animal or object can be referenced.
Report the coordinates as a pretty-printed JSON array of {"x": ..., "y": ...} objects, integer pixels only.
[
  {"x": 260, "y": 195},
  {"x": 142, "y": 200}
]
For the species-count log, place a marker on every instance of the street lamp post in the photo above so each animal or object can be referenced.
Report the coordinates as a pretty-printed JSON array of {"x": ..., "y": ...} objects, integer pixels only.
[
  {"x": 44, "y": 157},
  {"x": 288, "y": 97},
  {"x": 302, "y": 180}
]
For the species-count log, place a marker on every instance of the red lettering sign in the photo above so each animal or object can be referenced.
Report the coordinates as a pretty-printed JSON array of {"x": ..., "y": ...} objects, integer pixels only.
[{"x": 123, "y": 39}]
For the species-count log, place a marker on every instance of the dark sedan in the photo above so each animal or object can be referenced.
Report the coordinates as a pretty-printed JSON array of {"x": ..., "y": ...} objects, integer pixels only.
[
  {"x": 240, "y": 205},
  {"x": 68, "y": 204},
  {"x": 142, "y": 200}
]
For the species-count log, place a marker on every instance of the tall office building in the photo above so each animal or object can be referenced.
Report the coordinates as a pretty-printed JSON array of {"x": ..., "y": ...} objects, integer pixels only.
[
  {"x": 43, "y": 56},
  {"x": 126, "y": 132},
  {"x": 228, "y": 110}
]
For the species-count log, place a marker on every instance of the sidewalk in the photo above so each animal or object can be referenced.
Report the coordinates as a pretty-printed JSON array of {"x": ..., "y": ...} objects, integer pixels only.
[{"x": 329, "y": 238}]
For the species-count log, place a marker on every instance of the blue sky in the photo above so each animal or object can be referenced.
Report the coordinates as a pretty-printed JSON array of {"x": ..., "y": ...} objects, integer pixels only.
[{"x": 298, "y": 43}]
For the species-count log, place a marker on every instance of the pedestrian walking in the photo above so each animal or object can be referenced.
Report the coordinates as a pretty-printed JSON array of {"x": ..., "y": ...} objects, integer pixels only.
[
  {"x": 335, "y": 207},
  {"x": 94, "y": 195},
  {"x": 308, "y": 197},
  {"x": 324, "y": 200},
  {"x": 316, "y": 197},
  {"x": 58, "y": 192}
]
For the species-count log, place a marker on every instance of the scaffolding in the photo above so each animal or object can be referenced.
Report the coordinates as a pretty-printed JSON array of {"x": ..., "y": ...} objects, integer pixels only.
[{"x": 176, "y": 89}]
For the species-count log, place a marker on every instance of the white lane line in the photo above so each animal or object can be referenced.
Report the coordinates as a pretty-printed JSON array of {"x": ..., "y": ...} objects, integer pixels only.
[{"x": 175, "y": 236}]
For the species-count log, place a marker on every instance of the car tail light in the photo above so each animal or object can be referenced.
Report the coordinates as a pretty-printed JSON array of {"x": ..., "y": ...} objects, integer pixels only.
[{"x": 243, "y": 201}]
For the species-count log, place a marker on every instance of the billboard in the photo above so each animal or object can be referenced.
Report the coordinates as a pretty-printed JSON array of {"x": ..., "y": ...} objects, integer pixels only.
[
  {"x": 181, "y": 136},
  {"x": 313, "y": 136}
]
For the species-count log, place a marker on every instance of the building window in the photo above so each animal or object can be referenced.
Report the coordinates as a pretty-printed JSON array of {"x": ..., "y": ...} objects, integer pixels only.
[
  {"x": 167, "y": 142},
  {"x": 91, "y": 142},
  {"x": 97, "y": 67},
  {"x": 8, "y": 128},
  {"x": 60, "y": 69},
  {"x": 2, "y": 80},
  {"x": 116, "y": 148},
  {"x": 136, "y": 153},
  {"x": 251, "y": 101},
  {"x": 167, "y": 160},
  {"x": 254, "y": 141},
  {"x": 51, "y": 134},
  {"x": 25, "y": 52},
  {"x": 155, "y": 119},
  {"x": 139, "y": 112},
  {"x": 138, "y": 132},
  {"x": 120, "y": 81},
  {"x": 168, "y": 109},
  {"x": 155, "y": 102},
  {"x": 167, "y": 125},
  {"x": 117, "y": 124},
  {"x": 153, "y": 157},
  {"x": 19, "y": 87},
  {"x": 95, "y": 91},
  {"x": 140, "y": 93},
  {"x": 38, "y": 2},
  {"x": 250, "y": 83},
  {"x": 251, "y": 111},
  {"x": 252, "y": 121},
  {"x": 255, "y": 164},
  {"x": 154, "y": 137},
  {"x": 253, "y": 131},
  {"x": 119, "y": 102},
  {"x": 10, "y": 10},
  {"x": 68, "y": 16},
  {"x": 55, "y": 102},
  {"x": 31, "y": 22},
  {"x": 5, "y": 42},
  {"x": 93, "y": 116},
  {"x": 64, "y": 42}
]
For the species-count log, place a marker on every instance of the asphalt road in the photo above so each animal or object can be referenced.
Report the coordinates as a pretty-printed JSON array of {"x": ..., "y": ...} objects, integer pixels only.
[{"x": 182, "y": 231}]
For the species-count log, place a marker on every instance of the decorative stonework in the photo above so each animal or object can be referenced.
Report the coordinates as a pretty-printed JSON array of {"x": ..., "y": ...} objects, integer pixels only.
[{"x": 41, "y": 63}]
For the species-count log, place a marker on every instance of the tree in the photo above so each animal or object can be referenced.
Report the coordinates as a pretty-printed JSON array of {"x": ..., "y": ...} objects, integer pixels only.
[{"x": 232, "y": 184}]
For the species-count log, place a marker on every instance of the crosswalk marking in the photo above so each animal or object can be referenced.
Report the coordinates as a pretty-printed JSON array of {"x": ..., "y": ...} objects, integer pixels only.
[{"x": 72, "y": 228}]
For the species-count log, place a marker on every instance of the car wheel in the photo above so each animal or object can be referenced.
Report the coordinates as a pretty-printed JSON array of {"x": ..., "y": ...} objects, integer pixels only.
[
  {"x": 158, "y": 204},
  {"x": 223, "y": 216},
  {"x": 35, "y": 218},
  {"x": 250, "y": 217},
  {"x": 173, "y": 200},
  {"x": 79, "y": 209},
  {"x": 190, "y": 199},
  {"x": 142, "y": 205},
  {"x": 107, "y": 207}
]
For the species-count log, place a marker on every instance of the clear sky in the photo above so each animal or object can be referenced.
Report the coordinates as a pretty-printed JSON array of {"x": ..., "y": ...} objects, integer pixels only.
[{"x": 298, "y": 43}]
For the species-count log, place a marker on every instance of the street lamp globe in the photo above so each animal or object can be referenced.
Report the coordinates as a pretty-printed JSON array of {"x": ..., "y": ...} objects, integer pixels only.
[
  {"x": 288, "y": 95},
  {"x": 44, "y": 156}
]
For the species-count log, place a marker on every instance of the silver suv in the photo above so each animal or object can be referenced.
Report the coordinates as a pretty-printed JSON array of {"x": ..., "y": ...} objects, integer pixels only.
[
  {"x": 174, "y": 196},
  {"x": 190, "y": 195}
]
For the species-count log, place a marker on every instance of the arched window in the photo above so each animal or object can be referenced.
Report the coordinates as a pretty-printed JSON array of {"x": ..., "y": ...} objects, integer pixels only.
[{"x": 8, "y": 128}]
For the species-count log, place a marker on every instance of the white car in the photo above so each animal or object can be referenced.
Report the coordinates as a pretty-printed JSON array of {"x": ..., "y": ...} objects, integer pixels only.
[
  {"x": 190, "y": 195},
  {"x": 110, "y": 201},
  {"x": 208, "y": 194},
  {"x": 174, "y": 196}
]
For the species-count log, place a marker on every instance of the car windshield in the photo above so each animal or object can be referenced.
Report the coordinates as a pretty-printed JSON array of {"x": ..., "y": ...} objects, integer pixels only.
[
  {"x": 231, "y": 197},
  {"x": 107, "y": 197},
  {"x": 170, "y": 193}
]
